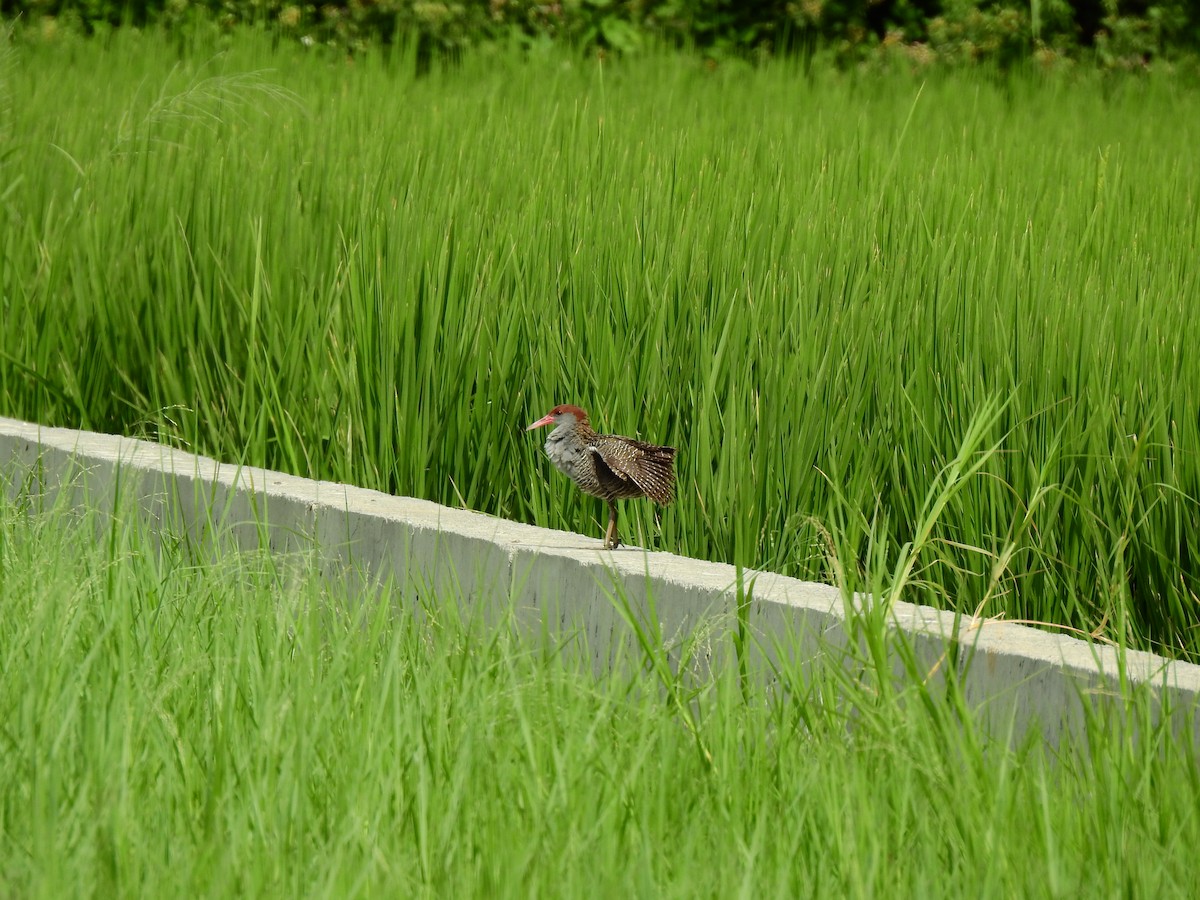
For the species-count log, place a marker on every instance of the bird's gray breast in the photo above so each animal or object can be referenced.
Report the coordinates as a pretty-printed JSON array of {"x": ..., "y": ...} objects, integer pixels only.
[
  {"x": 573, "y": 458},
  {"x": 565, "y": 453}
]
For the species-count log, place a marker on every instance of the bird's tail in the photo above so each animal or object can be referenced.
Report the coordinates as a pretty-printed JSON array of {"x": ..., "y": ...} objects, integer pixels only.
[{"x": 657, "y": 475}]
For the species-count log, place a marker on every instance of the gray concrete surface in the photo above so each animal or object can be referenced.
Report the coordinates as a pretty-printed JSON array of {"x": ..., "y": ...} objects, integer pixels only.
[{"x": 563, "y": 585}]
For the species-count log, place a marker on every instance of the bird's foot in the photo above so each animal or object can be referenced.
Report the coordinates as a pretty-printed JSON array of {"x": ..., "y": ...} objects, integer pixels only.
[{"x": 612, "y": 543}]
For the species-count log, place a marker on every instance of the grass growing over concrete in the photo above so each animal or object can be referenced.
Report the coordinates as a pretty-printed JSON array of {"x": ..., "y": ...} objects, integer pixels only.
[
  {"x": 811, "y": 284},
  {"x": 179, "y": 724}
]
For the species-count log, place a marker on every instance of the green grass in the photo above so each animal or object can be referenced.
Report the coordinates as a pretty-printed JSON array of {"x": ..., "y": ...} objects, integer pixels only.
[
  {"x": 178, "y": 724},
  {"x": 810, "y": 284}
]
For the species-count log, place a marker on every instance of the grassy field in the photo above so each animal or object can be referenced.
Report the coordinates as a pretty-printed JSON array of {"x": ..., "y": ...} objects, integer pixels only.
[
  {"x": 819, "y": 287},
  {"x": 175, "y": 725}
]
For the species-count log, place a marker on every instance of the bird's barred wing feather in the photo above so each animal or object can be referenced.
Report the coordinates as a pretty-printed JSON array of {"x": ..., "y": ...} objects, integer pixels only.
[{"x": 649, "y": 467}]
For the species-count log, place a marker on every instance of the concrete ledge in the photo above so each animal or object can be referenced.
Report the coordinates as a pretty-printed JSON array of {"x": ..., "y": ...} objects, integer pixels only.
[{"x": 555, "y": 582}]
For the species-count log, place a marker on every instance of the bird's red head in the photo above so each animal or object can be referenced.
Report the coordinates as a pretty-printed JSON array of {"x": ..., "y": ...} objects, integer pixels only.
[{"x": 559, "y": 412}]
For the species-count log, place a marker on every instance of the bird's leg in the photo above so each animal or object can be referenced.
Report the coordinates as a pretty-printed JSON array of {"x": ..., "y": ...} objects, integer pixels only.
[{"x": 611, "y": 541}]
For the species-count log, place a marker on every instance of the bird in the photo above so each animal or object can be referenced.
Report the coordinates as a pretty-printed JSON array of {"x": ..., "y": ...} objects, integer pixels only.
[{"x": 607, "y": 466}]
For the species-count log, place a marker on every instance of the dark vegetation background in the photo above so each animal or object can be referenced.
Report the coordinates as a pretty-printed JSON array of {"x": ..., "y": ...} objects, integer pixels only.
[{"x": 1120, "y": 34}]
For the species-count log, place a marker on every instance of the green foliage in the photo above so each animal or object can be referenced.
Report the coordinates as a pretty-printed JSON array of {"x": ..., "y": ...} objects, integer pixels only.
[
  {"x": 950, "y": 32},
  {"x": 183, "y": 722},
  {"x": 1131, "y": 41},
  {"x": 968, "y": 33},
  {"x": 811, "y": 285}
]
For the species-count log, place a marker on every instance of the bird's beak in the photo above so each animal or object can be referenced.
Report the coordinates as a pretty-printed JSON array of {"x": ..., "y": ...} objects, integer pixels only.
[{"x": 544, "y": 420}]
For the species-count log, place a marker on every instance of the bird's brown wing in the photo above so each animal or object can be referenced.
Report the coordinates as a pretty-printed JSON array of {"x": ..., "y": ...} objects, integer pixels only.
[
  {"x": 611, "y": 483},
  {"x": 646, "y": 467}
]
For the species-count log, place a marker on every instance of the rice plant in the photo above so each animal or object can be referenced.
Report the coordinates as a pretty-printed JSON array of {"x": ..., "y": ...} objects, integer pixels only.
[
  {"x": 206, "y": 722},
  {"x": 811, "y": 283}
]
